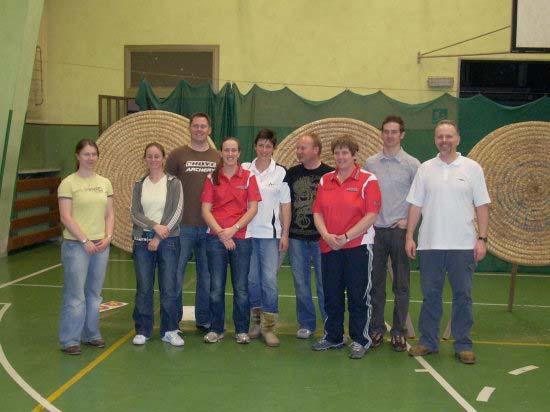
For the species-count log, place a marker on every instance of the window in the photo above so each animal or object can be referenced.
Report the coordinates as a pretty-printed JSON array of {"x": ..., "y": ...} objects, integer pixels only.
[
  {"x": 165, "y": 66},
  {"x": 511, "y": 83}
]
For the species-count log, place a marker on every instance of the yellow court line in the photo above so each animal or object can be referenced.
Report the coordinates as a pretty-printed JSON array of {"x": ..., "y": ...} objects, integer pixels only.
[
  {"x": 83, "y": 372},
  {"x": 63, "y": 388}
]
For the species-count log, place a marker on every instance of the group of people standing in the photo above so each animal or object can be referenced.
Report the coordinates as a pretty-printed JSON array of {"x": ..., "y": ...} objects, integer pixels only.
[{"x": 343, "y": 222}]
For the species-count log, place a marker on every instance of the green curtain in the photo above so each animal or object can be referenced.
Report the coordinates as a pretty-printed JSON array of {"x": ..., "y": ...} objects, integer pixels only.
[
  {"x": 187, "y": 99},
  {"x": 243, "y": 115}
]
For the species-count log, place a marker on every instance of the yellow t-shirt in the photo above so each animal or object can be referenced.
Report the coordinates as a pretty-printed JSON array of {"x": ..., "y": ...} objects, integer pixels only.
[{"x": 89, "y": 202}]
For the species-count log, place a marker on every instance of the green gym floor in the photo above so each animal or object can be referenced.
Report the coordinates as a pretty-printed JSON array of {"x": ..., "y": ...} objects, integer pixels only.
[{"x": 36, "y": 375}]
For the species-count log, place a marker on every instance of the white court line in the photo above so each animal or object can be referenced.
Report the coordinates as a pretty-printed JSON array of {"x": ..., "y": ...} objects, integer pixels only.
[
  {"x": 420, "y": 370},
  {"x": 17, "y": 378},
  {"x": 286, "y": 296},
  {"x": 485, "y": 394},
  {"x": 29, "y": 276},
  {"x": 412, "y": 271},
  {"x": 523, "y": 370},
  {"x": 450, "y": 390}
]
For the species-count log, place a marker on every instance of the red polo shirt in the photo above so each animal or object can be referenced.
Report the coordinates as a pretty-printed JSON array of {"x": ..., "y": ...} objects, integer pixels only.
[
  {"x": 230, "y": 198},
  {"x": 344, "y": 204}
]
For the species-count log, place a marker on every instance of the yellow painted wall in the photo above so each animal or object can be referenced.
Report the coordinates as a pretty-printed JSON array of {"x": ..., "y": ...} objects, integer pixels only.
[{"x": 365, "y": 45}]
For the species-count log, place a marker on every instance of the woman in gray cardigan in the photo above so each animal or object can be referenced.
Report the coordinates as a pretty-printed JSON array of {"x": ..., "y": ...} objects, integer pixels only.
[{"x": 157, "y": 206}]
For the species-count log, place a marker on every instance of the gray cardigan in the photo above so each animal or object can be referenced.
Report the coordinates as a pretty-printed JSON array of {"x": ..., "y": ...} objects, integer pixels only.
[{"x": 173, "y": 208}]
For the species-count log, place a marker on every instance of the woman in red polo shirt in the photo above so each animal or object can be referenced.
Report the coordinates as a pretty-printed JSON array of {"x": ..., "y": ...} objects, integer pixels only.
[
  {"x": 229, "y": 202},
  {"x": 346, "y": 206}
]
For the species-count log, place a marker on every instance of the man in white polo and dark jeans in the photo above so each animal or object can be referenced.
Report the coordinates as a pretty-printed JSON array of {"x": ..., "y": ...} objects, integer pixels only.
[{"x": 449, "y": 191}]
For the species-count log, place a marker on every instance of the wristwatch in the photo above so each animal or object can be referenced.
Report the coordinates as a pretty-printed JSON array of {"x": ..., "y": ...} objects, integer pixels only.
[
  {"x": 482, "y": 238},
  {"x": 84, "y": 241},
  {"x": 237, "y": 226}
]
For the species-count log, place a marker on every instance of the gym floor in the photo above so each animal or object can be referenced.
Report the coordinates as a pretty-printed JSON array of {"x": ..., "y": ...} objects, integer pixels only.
[{"x": 36, "y": 375}]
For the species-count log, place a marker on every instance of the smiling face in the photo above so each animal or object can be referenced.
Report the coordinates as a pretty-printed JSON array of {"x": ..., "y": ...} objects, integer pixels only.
[
  {"x": 446, "y": 139},
  {"x": 230, "y": 152},
  {"x": 200, "y": 130},
  {"x": 343, "y": 158},
  {"x": 264, "y": 149},
  {"x": 154, "y": 159},
  {"x": 87, "y": 157}
]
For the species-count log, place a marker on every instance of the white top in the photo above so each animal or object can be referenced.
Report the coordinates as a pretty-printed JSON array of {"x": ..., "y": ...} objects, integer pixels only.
[
  {"x": 447, "y": 194},
  {"x": 153, "y": 198},
  {"x": 267, "y": 223}
]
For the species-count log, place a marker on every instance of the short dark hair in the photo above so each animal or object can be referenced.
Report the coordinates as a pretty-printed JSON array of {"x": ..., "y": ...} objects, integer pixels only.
[
  {"x": 157, "y": 145},
  {"x": 266, "y": 134},
  {"x": 450, "y": 123},
  {"x": 200, "y": 114},
  {"x": 394, "y": 119},
  {"x": 346, "y": 141}
]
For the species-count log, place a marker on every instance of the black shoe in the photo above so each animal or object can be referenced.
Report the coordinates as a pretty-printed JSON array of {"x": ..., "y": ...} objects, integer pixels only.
[
  {"x": 203, "y": 328},
  {"x": 377, "y": 339}
]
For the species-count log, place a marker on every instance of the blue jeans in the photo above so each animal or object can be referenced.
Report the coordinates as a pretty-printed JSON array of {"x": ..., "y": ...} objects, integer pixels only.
[
  {"x": 193, "y": 240},
  {"x": 303, "y": 254},
  {"x": 83, "y": 277},
  {"x": 145, "y": 264},
  {"x": 460, "y": 266},
  {"x": 239, "y": 260},
  {"x": 262, "y": 278}
]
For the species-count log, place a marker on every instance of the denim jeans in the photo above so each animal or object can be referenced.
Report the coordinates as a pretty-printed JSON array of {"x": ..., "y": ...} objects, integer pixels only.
[
  {"x": 303, "y": 254},
  {"x": 460, "y": 266},
  {"x": 390, "y": 242},
  {"x": 193, "y": 240},
  {"x": 347, "y": 272},
  {"x": 145, "y": 264},
  {"x": 83, "y": 277},
  {"x": 262, "y": 278},
  {"x": 239, "y": 261}
]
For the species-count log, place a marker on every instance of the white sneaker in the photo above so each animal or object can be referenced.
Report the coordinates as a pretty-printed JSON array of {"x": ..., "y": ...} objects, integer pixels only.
[
  {"x": 140, "y": 340},
  {"x": 213, "y": 337},
  {"x": 303, "y": 333},
  {"x": 173, "y": 338},
  {"x": 242, "y": 338}
]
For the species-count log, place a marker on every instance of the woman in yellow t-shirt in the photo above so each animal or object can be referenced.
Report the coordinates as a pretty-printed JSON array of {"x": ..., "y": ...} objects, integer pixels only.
[{"x": 86, "y": 211}]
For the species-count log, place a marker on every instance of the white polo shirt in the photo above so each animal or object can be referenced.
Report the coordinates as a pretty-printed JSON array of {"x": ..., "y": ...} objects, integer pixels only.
[
  {"x": 448, "y": 194},
  {"x": 267, "y": 223}
]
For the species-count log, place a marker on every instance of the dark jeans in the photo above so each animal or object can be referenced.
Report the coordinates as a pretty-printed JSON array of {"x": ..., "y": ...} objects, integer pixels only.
[
  {"x": 347, "y": 270},
  {"x": 145, "y": 263},
  {"x": 460, "y": 266},
  {"x": 390, "y": 242},
  {"x": 239, "y": 261},
  {"x": 193, "y": 242}
]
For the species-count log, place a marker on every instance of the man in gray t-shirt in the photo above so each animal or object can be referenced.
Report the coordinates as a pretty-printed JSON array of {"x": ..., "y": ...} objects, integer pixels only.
[{"x": 395, "y": 170}]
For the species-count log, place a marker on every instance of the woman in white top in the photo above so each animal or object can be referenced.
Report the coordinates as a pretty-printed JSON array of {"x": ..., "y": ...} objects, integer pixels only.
[
  {"x": 157, "y": 206},
  {"x": 269, "y": 232}
]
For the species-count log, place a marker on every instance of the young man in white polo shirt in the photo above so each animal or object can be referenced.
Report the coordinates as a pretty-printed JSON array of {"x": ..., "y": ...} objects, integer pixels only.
[{"x": 449, "y": 191}]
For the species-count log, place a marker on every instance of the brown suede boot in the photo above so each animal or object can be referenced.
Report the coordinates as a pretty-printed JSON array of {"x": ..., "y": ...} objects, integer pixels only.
[
  {"x": 269, "y": 320},
  {"x": 255, "y": 330}
]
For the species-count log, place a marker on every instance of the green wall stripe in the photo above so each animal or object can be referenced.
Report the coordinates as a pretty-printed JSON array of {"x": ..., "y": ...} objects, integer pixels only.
[{"x": 6, "y": 141}]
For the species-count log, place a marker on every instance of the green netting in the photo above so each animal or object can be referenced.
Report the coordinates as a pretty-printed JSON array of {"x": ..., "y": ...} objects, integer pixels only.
[{"x": 243, "y": 115}]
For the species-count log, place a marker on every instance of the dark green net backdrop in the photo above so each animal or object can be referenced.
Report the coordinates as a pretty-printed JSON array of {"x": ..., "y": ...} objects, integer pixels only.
[{"x": 243, "y": 115}]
